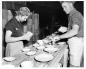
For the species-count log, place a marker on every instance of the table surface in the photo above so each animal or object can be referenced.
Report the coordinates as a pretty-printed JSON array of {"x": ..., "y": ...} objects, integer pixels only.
[{"x": 23, "y": 57}]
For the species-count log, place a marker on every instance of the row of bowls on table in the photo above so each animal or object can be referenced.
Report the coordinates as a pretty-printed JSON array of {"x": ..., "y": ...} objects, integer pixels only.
[
  {"x": 40, "y": 57},
  {"x": 27, "y": 51}
]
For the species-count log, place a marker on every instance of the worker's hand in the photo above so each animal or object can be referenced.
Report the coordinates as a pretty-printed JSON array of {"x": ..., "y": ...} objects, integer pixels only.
[
  {"x": 62, "y": 29},
  {"x": 27, "y": 36}
]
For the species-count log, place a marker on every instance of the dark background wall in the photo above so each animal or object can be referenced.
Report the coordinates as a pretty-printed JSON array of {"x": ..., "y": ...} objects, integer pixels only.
[{"x": 51, "y": 14}]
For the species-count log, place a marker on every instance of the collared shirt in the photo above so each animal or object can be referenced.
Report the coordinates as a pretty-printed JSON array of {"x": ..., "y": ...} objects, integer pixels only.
[
  {"x": 15, "y": 27},
  {"x": 75, "y": 17}
]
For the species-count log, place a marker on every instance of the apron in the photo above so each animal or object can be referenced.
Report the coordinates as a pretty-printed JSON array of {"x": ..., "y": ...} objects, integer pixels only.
[
  {"x": 76, "y": 46},
  {"x": 14, "y": 48}
]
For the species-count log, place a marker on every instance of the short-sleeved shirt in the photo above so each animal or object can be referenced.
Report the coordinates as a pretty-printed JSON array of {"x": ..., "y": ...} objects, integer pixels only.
[
  {"x": 15, "y": 27},
  {"x": 76, "y": 17}
]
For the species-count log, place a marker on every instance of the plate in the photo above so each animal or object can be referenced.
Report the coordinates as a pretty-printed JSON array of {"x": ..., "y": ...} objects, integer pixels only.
[
  {"x": 9, "y": 59},
  {"x": 25, "y": 49},
  {"x": 44, "y": 57},
  {"x": 52, "y": 49},
  {"x": 31, "y": 53}
]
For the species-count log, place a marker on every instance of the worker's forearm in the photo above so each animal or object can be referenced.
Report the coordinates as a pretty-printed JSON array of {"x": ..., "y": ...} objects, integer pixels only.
[
  {"x": 14, "y": 39},
  {"x": 68, "y": 34}
]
